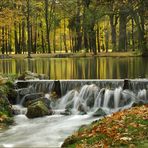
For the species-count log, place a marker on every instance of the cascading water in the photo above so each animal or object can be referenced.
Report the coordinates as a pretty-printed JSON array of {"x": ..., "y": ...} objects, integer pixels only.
[{"x": 82, "y": 100}]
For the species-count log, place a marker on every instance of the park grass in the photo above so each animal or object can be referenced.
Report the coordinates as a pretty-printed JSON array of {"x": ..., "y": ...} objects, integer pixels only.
[{"x": 128, "y": 128}]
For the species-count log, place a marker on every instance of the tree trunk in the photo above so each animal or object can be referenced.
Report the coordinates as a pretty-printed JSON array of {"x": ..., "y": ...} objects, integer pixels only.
[
  {"x": 113, "y": 23},
  {"x": 133, "y": 42},
  {"x": 31, "y": 37},
  {"x": 85, "y": 36},
  {"x": 98, "y": 36},
  {"x": 35, "y": 40},
  {"x": 23, "y": 37},
  {"x": 16, "y": 39},
  {"x": 28, "y": 28},
  {"x": 42, "y": 39},
  {"x": 64, "y": 36},
  {"x": 9, "y": 41},
  {"x": 47, "y": 25},
  {"x": 122, "y": 30},
  {"x": 6, "y": 40},
  {"x": 78, "y": 28},
  {"x": 20, "y": 39},
  {"x": 106, "y": 40},
  {"x": 141, "y": 32},
  {"x": 54, "y": 39},
  {"x": 3, "y": 39}
]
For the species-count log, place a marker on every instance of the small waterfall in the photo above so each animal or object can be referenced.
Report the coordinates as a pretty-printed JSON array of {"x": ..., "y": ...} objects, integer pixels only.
[
  {"x": 142, "y": 95},
  {"x": 67, "y": 99},
  {"x": 77, "y": 84},
  {"x": 98, "y": 98},
  {"x": 117, "y": 96},
  {"x": 38, "y": 85},
  {"x": 88, "y": 95},
  {"x": 32, "y": 88},
  {"x": 107, "y": 97}
]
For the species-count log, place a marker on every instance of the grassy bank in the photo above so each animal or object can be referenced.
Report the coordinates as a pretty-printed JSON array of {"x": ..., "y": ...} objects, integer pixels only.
[
  {"x": 75, "y": 55},
  {"x": 128, "y": 128}
]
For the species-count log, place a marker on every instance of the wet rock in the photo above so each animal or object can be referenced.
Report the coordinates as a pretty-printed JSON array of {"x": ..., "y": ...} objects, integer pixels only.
[
  {"x": 38, "y": 109},
  {"x": 69, "y": 106},
  {"x": 82, "y": 109},
  {"x": 66, "y": 112},
  {"x": 53, "y": 95},
  {"x": 25, "y": 91},
  {"x": 90, "y": 101},
  {"x": 31, "y": 98},
  {"x": 46, "y": 102},
  {"x": 32, "y": 76},
  {"x": 127, "y": 85},
  {"x": 57, "y": 88},
  {"x": 139, "y": 103},
  {"x": 12, "y": 93},
  {"x": 43, "y": 77},
  {"x": 99, "y": 112}
]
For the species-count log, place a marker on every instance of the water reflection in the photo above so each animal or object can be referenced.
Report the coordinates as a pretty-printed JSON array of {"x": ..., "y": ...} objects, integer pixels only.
[{"x": 80, "y": 68}]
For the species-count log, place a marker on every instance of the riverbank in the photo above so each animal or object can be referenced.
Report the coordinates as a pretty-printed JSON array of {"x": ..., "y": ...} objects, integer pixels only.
[
  {"x": 6, "y": 111},
  {"x": 128, "y": 128},
  {"x": 73, "y": 55}
]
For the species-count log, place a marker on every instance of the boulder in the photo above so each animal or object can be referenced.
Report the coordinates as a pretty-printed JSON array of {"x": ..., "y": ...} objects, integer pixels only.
[
  {"x": 38, "y": 109},
  {"x": 31, "y": 98},
  {"x": 43, "y": 77},
  {"x": 99, "y": 112},
  {"x": 28, "y": 75},
  {"x": 30, "y": 101},
  {"x": 82, "y": 109}
]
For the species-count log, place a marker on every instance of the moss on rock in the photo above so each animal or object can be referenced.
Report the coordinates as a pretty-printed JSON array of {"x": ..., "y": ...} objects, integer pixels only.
[{"x": 37, "y": 109}]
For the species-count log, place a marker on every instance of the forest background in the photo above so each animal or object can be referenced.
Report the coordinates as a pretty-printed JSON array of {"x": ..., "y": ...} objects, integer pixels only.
[{"x": 50, "y": 26}]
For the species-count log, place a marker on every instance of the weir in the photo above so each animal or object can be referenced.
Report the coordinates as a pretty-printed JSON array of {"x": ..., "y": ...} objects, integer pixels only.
[
  {"x": 65, "y": 85},
  {"x": 86, "y": 95}
]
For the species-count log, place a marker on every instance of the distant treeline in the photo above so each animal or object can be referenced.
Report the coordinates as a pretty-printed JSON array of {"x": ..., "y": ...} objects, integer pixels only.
[{"x": 46, "y": 26}]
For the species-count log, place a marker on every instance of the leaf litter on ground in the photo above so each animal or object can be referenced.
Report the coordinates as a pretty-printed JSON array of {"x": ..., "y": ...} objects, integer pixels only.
[{"x": 127, "y": 128}]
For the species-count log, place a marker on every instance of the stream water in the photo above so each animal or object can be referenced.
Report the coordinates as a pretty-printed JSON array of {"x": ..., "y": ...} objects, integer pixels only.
[
  {"x": 84, "y": 102},
  {"x": 79, "y": 68}
]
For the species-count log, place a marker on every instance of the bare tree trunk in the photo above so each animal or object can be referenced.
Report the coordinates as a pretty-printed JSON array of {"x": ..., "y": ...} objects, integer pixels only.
[
  {"x": 54, "y": 39},
  {"x": 47, "y": 25},
  {"x": 3, "y": 39},
  {"x": 64, "y": 36},
  {"x": 98, "y": 36},
  {"x": 20, "y": 39},
  {"x": 28, "y": 28},
  {"x": 23, "y": 37},
  {"x": 133, "y": 42},
  {"x": 9, "y": 41},
  {"x": 16, "y": 39},
  {"x": 113, "y": 24},
  {"x": 122, "y": 30}
]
